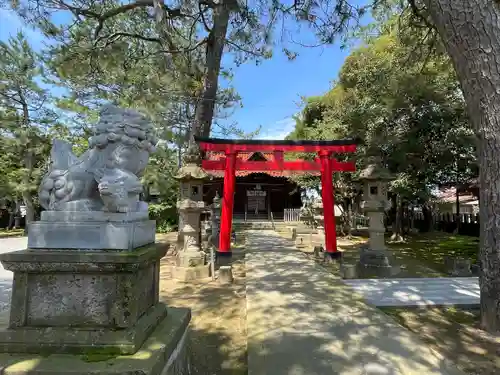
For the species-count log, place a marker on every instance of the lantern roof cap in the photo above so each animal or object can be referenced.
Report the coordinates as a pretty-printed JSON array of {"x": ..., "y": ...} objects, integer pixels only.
[
  {"x": 191, "y": 172},
  {"x": 375, "y": 171}
]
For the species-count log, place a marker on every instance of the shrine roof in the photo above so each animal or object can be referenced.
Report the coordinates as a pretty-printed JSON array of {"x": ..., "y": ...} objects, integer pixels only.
[{"x": 245, "y": 156}]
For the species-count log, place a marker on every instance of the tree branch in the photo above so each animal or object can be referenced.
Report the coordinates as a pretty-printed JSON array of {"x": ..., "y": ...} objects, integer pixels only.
[
  {"x": 205, "y": 24},
  {"x": 417, "y": 12},
  {"x": 171, "y": 13},
  {"x": 115, "y": 36},
  {"x": 101, "y": 18},
  {"x": 253, "y": 53}
]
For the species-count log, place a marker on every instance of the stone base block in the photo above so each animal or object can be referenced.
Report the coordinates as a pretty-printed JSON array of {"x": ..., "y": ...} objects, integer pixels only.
[
  {"x": 318, "y": 250},
  {"x": 93, "y": 216},
  {"x": 225, "y": 275},
  {"x": 191, "y": 273},
  {"x": 369, "y": 272},
  {"x": 348, "y": 271},
  {"x": 223, "y": 258},
  {"x": 87, "y": 235},
  {"x": 70, "y": 300},
  {"x": 458, "y": 267},
  {"x": 375, "y": 258},
  {"x": 68, "y": 340},
  {"x": 302, "y": 241},
  {"x": 165, "y": 352},
  {"x": 190, "y": 259}
]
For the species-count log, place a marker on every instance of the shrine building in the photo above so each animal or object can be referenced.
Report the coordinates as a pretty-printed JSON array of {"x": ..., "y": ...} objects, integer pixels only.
[{"x": 257, "y": 194}]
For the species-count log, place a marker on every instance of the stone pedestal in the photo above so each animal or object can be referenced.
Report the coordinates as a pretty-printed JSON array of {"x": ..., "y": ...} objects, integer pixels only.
[
  {"x": 91, "y": 230},
  {"x": 66, "y": 301},
  {"x": 90, "y": 304}
]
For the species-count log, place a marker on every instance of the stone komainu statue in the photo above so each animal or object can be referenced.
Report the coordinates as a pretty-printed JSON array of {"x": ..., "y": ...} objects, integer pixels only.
[{"x": 107, "y": 176}]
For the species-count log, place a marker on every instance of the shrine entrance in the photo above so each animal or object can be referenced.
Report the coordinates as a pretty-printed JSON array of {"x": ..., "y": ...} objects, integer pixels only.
[{"x": 258, "y": 198}]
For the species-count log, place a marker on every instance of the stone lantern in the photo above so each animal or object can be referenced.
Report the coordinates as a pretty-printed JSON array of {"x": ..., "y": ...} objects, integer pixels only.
[
  {"x": 318, "y": 215},
  {"x": 375, "y": 179},
  {"x": 191, "y": 262}
]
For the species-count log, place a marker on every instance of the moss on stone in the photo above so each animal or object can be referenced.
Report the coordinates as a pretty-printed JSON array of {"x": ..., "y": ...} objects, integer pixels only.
[{"x": 100, "y": 354}]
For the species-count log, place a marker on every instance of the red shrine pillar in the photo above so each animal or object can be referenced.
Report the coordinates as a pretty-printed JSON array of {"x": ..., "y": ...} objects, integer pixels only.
[
  {"x": 328, "y": 198},
  {"x": 226, "y": 220}
]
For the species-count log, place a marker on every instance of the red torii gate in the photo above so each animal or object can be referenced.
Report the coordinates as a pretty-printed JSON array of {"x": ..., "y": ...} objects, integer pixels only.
[{"x": 324, "y": 163}]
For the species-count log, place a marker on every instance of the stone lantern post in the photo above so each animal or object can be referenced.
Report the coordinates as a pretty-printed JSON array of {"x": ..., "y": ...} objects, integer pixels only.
[
  {"x": 375, "y": 179},
  {"x": 319, "y": 216},
  {"x": 215, "y": 217},
  {"x": 191, "y": 262}
]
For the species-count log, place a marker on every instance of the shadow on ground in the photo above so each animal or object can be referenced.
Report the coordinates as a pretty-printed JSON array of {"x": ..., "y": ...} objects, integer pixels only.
[
  {"x": 304, "y": 321},
  {"x": 454, "y": 332},
  {"x": 218, "y": 325}
]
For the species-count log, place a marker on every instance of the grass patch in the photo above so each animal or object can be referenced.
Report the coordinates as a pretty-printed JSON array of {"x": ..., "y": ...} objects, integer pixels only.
[
  {"x": 432, "y": 248},
  {"x": 453, "y": 314},
  {"x": 5, "y": 233},
  {"x": 454, "y": 332}
]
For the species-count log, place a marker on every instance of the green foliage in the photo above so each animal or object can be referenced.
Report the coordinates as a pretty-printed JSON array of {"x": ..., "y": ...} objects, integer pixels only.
[
  {"x": 27, "y": 122},
  {"x": 433, "y": 248},
  {"x": 409, "y": 113},
  {"x": 166, "y": 217}
]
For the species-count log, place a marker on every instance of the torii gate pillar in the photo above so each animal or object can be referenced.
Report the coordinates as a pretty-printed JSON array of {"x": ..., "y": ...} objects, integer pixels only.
[
  {"x": 328, "y": 198},
  {"x": 226, "y": 220}
]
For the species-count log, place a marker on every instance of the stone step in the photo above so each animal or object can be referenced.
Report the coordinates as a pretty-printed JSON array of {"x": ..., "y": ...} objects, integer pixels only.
[{"x": 418, "y": 291}]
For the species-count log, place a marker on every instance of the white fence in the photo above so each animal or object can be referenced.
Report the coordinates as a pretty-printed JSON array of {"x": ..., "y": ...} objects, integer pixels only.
[{"x": 292, "y": 214}]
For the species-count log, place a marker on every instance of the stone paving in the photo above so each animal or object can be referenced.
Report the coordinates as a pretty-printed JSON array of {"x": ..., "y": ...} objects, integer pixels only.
[
  {"x": 418, "y": 291},
  {"x": 6, "y": 245},
  {"x": 302, "y": 320}
]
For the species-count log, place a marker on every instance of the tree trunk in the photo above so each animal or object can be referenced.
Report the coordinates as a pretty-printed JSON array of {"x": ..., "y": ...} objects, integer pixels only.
[
  {"x": 215, "y": 47},
  {"x": 12, "y": 217},
  {"x": 406, "y": 220},
  {"x": 471, "y": 34},
  {"x": 428, "y": 218},
  {"x": 392, "y": 213},
  {"x": 457, "y": 208},
  {"x": 27, "y": 196},
  {"x": 29, "y": 164},
  {"x": 17, "y": 215},
  {"x": 398, "y": 222}
]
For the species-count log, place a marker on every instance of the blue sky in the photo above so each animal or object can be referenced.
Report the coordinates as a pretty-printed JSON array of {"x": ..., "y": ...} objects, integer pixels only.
[{"x": 271, "y": 91}]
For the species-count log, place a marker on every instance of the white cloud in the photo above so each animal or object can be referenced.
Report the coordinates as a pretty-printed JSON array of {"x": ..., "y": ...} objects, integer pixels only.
[{"x": 279, "y": 130}]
